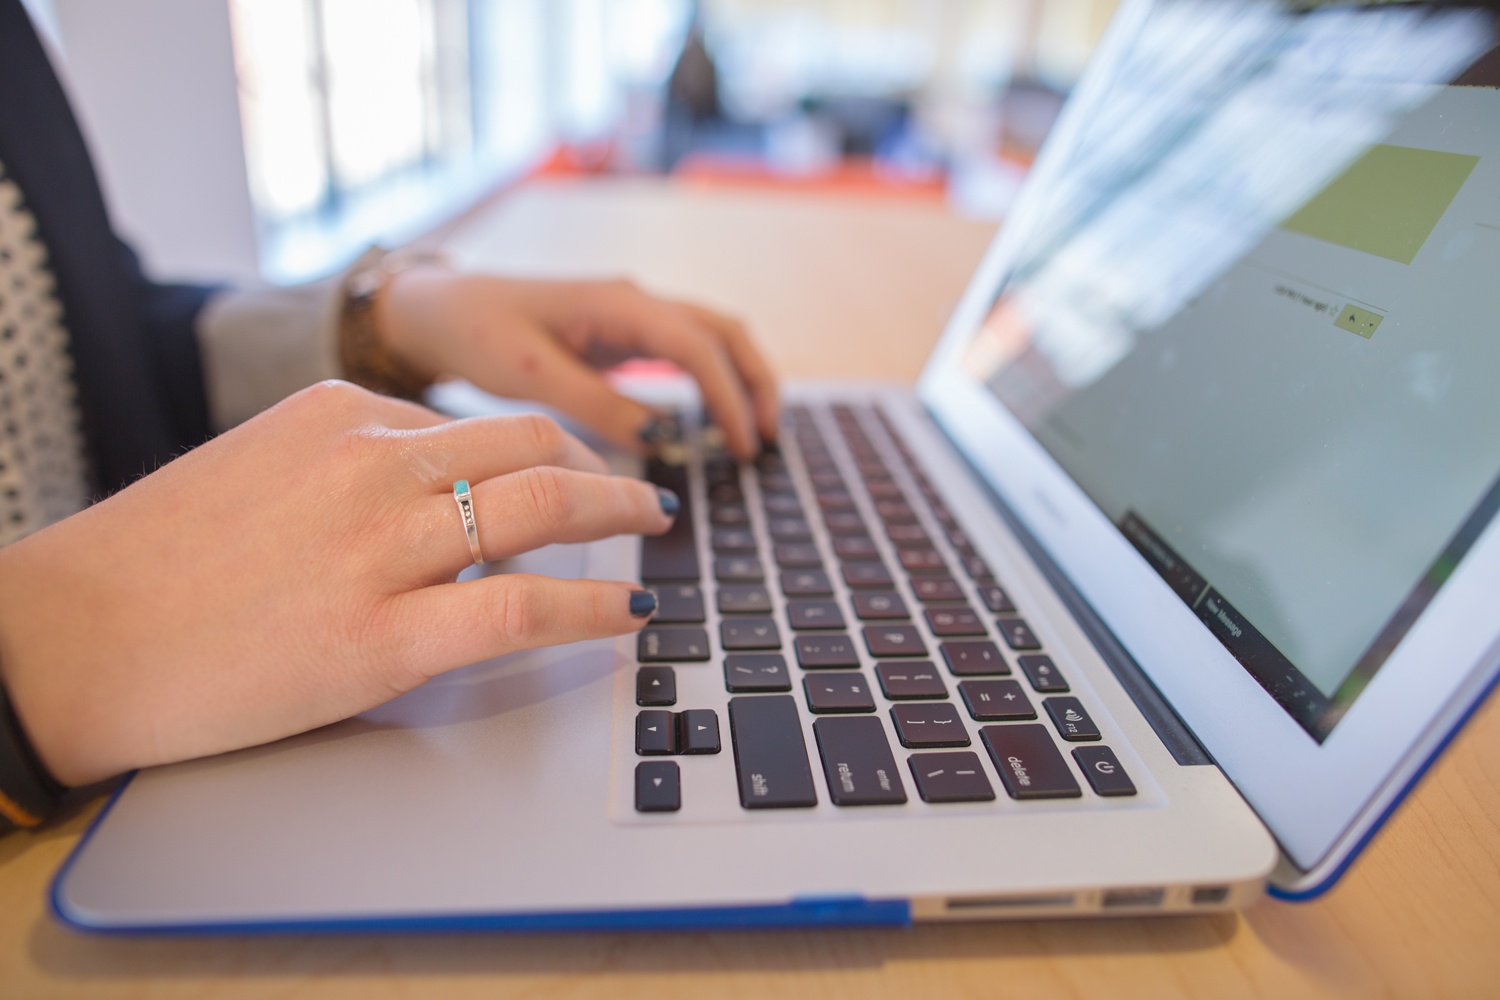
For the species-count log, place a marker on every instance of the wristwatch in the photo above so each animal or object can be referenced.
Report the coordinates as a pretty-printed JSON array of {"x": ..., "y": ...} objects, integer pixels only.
[{"x": 363, "y": 355}]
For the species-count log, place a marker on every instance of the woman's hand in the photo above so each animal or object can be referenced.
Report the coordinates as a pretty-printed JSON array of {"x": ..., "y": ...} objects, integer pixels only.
[
  {"x": 298, "y": 570},
  {"x": 545, "y": 340}
]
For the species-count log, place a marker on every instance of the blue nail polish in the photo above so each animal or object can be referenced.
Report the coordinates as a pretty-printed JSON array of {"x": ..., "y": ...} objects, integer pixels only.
[
  {"x": 642, "y": 604},
  {"x": 670, "y": 504}
]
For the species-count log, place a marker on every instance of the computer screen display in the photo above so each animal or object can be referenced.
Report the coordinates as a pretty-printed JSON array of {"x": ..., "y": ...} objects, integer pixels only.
[{"x": 1257, "y": 319}]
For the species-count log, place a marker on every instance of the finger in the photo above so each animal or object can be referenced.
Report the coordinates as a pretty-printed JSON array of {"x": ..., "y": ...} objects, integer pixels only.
[
  {"x": 562, "y": 381},
  {"x": 754, "y": 370},
  {"x": 454, "y": 624},
  {"x": 665, "y": 331},
  {"x": 542, "y": 506},
  {"x": 480, "y": 448}
]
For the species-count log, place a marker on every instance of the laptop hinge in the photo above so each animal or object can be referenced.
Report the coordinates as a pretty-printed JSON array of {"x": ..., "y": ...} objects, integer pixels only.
[{"x": 1169, "y": 727}]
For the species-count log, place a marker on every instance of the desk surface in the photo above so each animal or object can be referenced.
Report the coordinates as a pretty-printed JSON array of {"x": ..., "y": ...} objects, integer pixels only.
[{"x": 1418, "y": 915}]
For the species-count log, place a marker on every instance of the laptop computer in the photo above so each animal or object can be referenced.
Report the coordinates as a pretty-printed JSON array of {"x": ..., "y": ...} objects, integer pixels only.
[{"x": 1165, "y": 584}]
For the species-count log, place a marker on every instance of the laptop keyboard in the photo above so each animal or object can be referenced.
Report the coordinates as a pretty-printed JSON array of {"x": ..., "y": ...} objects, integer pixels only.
[{"x": 845, "y": 589}]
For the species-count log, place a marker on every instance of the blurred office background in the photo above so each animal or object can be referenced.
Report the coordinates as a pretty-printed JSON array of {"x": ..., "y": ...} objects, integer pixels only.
[{"x": 274, "y": 139}]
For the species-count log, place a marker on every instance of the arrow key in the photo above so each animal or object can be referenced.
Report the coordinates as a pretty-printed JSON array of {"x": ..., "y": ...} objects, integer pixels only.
[
  {"x": 655, "y": 733},
  {"x": 658, "y": 786},
  {"x": 655, "y": 686},
  {"x": 698, "y": 731}
]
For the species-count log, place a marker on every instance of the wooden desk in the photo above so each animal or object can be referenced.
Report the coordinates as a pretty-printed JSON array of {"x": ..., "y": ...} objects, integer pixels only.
[{"x": 1419, "y": 915}]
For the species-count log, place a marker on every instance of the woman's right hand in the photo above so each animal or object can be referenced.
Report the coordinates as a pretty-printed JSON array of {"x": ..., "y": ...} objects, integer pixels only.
[{"x": 298, "y": 570}]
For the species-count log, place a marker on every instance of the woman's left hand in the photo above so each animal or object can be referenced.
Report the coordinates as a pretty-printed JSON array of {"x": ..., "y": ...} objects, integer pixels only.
[{"x": 548, "y": 340}]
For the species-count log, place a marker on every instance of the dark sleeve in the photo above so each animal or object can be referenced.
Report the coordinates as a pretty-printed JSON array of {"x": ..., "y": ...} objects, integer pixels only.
[
  {"x": 168, "y": 318},
  {"x": 135, "y": 360}
]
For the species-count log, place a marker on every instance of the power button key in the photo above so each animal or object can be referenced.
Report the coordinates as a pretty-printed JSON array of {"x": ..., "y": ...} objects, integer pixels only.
[{"x": 1100, "y": 765}]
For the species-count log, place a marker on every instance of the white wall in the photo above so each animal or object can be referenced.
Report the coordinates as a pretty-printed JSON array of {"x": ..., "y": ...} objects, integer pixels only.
[{"x": 153, "y": 83}]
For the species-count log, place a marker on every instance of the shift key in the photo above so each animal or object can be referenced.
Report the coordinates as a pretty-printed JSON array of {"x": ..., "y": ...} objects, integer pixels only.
[{"x": 770, "y": 755}]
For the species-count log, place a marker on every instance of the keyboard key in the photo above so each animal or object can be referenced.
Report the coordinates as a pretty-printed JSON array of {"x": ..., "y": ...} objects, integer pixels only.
[
  {"x": 835, "y": 501},
  {"x": 922, "y": 562},
  {"x": 672, "y": 556},
  {"x": 774, "y": 484},
  {"x": 867, "y": 576},
  {"x": 908, "y": 536},
  {"x": 845, "y": 523},
  {"x": 821, "y": 652},
  {"x": 655, "y": 733},
  {"x": 895, "y": 512},
  {"x": 1042, "y": 673},
  {"x": 977, "y": 568},
  {"x": 798, "y": 555},
  {"x": 783, "y": 504},
  {"x": 749, "y": 633},
  {"x": 677, "y": 604},
  {"x": 950, "y": 777},
  {"x": 655, "y": 686},
  {"x": 744, "y": 599},
  {"x": 668, "y": 645},
  {"x": 733, "y": 541},
  {"x": 1072, "y": 722},
  {"x": 814, "y": 614},
  {"x": 1028, "y": 763},
  {"x": 973, "y": 659},
  {"x": 954, "y": 621},
  {"x": 937, "y": 588},
  {"x": 877, "y": 605},
  {"x": 905, "y": 681},
  {"x": 726, "y": 493},
  {"x": 1102, "y": 768},
  {"x": 658, "y": 786},
  {"x": 1017, "y": 634},
  {"x": 770, "y": 756},
  {"x": 931, "y": 725},
  {"x": 790, "y": 529},
  {"x": 738, "y": 569},
  {"x": 746, "y": 672},
  {"x": 857, "y": 762},
  {"x": 885, "y": 490},
  {"x": 996, "y": 701},
  {"x": 894, "y": 640},
  {"x": 856, "y": 547},
  {"x": 959, "y": 540},
  {"x": 826, "y": 479},
  {"x": 729, "y": 515},
  {"x": 829, "y": 693},
  {"x": 995, "y": 599},
  {"x": 698, "y": 731},
  {"x": 806, "y": 583}
]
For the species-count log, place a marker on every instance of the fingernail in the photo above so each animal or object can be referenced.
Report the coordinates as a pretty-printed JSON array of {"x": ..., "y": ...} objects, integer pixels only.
[
  {"x": 670, "y": 504},
  {"x": 659, "y": 430},
  {"x": 642, "y": 604}
]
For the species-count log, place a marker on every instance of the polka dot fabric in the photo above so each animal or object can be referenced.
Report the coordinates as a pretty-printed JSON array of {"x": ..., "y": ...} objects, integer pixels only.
[{"x": 43, "y": 475}]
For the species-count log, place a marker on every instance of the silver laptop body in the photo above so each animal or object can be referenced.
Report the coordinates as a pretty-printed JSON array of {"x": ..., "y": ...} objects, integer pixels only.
[{"x": 1127, "y": 698}]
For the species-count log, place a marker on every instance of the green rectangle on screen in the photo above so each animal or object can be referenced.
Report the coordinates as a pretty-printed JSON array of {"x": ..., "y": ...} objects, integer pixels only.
[
  {"x": 1386, "y": 203},
  {"x": 1357, "y": 320}
]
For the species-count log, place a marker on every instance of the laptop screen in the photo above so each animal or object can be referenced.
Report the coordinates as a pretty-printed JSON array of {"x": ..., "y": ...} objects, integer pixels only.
[{"x": 1257, "y": 319}]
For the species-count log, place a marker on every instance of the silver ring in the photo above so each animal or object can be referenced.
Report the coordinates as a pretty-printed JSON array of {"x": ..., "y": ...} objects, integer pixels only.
[{"x": 465, "y": 501}]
